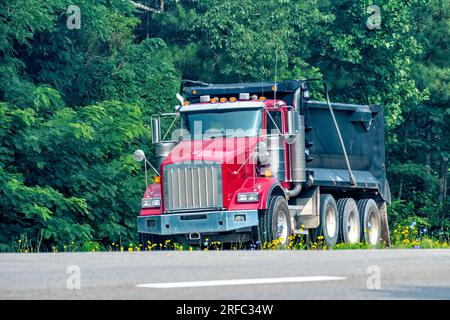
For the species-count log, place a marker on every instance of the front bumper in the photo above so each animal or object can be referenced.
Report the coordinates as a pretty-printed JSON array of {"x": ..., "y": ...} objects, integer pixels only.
[{"x": 199, "y": 222}]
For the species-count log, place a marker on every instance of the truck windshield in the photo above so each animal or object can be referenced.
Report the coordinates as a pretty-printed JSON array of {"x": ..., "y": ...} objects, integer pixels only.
[{"x": 222, "y": 123}]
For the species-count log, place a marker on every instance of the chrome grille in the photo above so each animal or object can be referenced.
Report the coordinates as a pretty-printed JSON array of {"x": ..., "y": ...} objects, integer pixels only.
[{"x": 191, "y": 186}]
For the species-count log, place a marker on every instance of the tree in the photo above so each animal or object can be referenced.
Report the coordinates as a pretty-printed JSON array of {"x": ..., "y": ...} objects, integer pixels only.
[
  {"x": 223, "y": 41},
  {"x": 419, "y": 157},
  {"x": 75, "y": 104}
]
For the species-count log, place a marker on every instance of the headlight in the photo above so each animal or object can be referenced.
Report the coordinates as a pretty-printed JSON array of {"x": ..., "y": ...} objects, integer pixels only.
[
  {"x": 151, "y": 203},
  {"x": 248, "y": 197}
]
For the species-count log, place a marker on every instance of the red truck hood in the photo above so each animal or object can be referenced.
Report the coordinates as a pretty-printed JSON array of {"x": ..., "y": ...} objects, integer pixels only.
[{"x": 222, "y": 150}]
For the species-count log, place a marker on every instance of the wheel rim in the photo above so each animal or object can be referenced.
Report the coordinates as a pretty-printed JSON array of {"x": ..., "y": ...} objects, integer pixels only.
[
  {"x": 373, "y": 228},
  {"x": 352, "y": 228},
  {"x": 331, "y": 222},
  {"x": 282, "y": 227}
]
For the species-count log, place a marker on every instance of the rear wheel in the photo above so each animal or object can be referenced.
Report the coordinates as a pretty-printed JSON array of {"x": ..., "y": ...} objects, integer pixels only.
[
  {"x": 350, "y": 230},
  {"x": 370, "y": 221},
  {"x": 274, "y": 223},
  {"x": 329, "y": 221}
]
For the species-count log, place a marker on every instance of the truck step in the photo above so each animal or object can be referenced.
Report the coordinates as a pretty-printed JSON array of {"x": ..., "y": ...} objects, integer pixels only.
[
  {"x": 303, "y": 232},
  {"x": 299, "y": 207}
]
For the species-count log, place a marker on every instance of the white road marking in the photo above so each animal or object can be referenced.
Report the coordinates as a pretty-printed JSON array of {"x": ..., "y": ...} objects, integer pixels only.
[{"x": 236, "y": 282}]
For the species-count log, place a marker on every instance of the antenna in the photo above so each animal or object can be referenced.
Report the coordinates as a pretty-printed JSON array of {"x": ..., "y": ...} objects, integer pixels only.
[
  {"x": 276, "y": 74},
  {"x": 262, "y": 87}
]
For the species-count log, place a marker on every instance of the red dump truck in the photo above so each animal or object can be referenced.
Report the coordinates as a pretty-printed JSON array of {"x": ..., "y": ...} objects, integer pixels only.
[{"x": 256, "y": 162}]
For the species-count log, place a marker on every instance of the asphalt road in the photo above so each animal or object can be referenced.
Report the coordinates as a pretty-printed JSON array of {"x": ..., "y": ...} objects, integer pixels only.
[{"x": 355, "y": 274}]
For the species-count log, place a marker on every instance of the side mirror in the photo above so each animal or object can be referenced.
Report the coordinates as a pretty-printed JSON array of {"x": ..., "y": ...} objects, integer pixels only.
[
  {"x": 139, "y": 155},
  {"x": 180, "y": 98},
  {"x": 156, "y": 130}
]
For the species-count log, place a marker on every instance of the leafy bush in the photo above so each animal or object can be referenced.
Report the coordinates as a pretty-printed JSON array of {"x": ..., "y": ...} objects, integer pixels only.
[{"x": 74, "y": 106}]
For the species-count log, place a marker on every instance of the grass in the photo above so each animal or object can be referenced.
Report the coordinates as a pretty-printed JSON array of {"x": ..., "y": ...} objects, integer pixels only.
[{"x": 402, "y": 237}]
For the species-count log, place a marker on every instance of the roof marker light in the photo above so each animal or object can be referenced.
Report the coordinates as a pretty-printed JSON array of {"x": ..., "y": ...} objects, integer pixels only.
[
  {"x": 223, "y": 100},
  {"x": 232, "y": 99}
]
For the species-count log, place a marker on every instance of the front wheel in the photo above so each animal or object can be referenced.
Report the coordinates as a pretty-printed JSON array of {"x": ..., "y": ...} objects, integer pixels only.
[{"x": 274, "y": 223}]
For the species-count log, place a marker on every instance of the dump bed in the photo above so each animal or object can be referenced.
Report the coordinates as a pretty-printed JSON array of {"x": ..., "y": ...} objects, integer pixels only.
[{"x": 362, "y": 130}]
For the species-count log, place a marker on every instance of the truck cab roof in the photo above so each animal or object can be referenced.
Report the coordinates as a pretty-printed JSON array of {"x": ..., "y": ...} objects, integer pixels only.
[
  {"x": 283, "y": 90},
  {"x": 239, "y": 104},
  {"x": 222, "y": 106}
]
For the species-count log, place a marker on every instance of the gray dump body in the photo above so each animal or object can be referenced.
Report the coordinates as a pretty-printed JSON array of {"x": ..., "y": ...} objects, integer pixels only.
[{"x": 361, "y": 127}]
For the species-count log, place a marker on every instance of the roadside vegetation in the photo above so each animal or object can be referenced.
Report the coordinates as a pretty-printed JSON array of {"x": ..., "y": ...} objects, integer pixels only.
[
  {"x": 76, "y": 102},
  {"x": 402, "y": 237}
]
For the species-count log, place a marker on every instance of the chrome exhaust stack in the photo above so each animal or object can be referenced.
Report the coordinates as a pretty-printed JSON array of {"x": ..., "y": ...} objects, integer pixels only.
[
  {"x": 296, "y": 134},
  {"x": 297, "y": 149}
]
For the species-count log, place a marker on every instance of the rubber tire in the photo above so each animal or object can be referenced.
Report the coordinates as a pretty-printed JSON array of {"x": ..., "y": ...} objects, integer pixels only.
[
  {"x": 347, "y": 206},
  {"x": 268, "y": 220},
  {"x": 144, "y": 238},
  {"x": 326, "y": 200},
  {"x": 367, "y": 207}
]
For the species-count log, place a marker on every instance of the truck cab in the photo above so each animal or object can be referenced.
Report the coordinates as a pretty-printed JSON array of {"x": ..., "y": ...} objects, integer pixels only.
[{"x": 235, "y": 170}]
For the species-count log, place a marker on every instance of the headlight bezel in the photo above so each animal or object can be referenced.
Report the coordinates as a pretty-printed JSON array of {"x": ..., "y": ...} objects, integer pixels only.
[
  {"x": 151, "y": 203},
  {"x": 247, "y": 197}
]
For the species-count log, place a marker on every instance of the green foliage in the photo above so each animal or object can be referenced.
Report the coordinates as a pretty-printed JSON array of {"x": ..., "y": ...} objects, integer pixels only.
[
  {"x": 416, "y": 236},
  {"x": 422, "y": 140},
  {"x": 371, "y": 66},
  {"x": 245, "y": 41},
  {"x": 76, "y": 104}
]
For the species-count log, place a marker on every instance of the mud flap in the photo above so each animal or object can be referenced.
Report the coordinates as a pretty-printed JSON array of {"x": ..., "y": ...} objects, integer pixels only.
[
  {"x": 305, "y": 210},
  {"x": 385, "y": 234}
]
